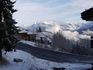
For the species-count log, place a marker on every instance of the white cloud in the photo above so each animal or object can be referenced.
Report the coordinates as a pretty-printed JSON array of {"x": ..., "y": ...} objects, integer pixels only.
[
  {"x": 71, "y": 35},
  {"x": 30, "y": 12}
]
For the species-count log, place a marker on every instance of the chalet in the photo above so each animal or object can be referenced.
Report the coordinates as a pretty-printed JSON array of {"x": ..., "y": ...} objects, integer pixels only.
[
  {"x": 32, "y": 36},
  {"x": 91, "y": 41},
  {"x": 87, "y": 14},
  {"x": 23, "y": 35}
]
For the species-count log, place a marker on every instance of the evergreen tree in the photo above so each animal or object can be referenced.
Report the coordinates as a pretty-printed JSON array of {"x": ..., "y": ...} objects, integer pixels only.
[{"x": 7, "y": 26}]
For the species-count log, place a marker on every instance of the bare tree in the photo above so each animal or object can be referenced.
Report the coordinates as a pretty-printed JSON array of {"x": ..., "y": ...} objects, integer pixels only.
[{"x": 60, "y": 43}]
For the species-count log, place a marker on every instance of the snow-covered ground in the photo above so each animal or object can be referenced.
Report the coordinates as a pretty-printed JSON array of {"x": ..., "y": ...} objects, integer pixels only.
[
  {"x": 32, "y": 63},
  {"x": 29, "y": 43}
]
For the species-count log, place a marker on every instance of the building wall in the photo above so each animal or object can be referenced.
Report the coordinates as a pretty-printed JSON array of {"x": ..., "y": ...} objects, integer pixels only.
[
  {"x": 25, "y": 36},
  {"x": 91, "y": 41}
]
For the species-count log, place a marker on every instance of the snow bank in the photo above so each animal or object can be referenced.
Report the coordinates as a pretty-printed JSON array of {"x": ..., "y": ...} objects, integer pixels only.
[
  {"x": 32, "y": 63},
  {"x": 11, "y": 65}
]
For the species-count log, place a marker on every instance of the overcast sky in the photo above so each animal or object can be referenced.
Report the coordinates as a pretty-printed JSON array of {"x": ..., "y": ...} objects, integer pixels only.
[{"x": 32, "y": 11}]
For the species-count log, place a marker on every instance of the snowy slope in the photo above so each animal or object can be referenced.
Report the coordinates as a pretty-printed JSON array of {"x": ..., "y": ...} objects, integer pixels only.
[
  {"x": 49, "y": 26},
  {"x": 70, "y": 26},
  {"x": 53, "y": 26},
  {"x": 32, "y": 63},
  {"x": 86, "y": 26}
]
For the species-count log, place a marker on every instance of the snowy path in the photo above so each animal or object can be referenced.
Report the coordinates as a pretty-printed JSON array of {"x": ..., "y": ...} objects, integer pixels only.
[{"x": 54, "y": 56}]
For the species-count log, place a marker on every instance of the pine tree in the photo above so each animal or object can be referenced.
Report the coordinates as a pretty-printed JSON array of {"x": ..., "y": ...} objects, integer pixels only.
[{"x": 7, "y": 26}]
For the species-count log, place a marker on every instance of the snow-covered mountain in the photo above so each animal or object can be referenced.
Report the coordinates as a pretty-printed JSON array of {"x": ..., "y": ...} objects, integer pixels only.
[
  {"x": 53, "y": 26},
  {"x": 70, "y": 26},
  {"x": 46, "y": 26},
  {"x": 86, "y": 28}
]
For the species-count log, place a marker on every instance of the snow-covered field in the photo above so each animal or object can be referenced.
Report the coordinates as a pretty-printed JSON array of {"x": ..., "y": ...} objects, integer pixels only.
[{"x": 32, "y": 63}]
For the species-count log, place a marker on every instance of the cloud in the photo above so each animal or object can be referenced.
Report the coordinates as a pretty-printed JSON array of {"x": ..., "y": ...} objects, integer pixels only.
[
  {"x": 71, "y": 35},
  {"x": 76, "y": 38},
  {"x": 31, "y": 11}
]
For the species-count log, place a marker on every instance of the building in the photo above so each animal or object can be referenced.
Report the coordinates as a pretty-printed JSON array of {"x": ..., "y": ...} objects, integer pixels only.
[
  {"x": 23, "y": 36},
  {"x": 91, "y": 41},
  {"x": 87, "y": 14}
]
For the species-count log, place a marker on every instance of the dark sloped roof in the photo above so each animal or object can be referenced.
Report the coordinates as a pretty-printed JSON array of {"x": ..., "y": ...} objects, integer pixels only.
[{"x": 87, "y": 14}]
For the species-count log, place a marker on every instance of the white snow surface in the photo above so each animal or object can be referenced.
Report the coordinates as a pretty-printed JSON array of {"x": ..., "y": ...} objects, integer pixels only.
[
  {"x": 29, "y": 42},
  {"x": 32, "y": 63},
  {"x": 87, "y": 25}
]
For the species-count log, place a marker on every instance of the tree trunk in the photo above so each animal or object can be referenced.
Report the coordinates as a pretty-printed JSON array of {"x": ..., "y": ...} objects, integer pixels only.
[{"x": 0, "y": 54}]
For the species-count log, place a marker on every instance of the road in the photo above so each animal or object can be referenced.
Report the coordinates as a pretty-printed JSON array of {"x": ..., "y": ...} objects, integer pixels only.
[{"x": 54, "y": 55}]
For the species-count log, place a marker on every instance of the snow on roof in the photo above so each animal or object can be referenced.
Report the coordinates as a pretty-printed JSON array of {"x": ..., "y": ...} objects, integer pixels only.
[
  {"x": 32, "y": 63},
  {"x": 9, "y": 64},
  {"x": 23, "y": 31},
  {"x": 30, "y": 32}
]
